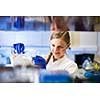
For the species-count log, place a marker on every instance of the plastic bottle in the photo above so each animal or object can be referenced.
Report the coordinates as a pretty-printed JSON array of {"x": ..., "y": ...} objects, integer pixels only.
[
  {"x": 87, "y": 64},
  {"x": 96, "y": 67}
]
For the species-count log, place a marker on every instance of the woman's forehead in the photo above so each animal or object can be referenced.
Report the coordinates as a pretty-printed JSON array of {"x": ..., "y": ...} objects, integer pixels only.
[{"x": 58, "y": 41}]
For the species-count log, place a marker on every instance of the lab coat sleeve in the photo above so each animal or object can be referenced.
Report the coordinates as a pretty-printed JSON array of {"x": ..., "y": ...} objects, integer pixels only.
[{"x": 72, "y": 69}]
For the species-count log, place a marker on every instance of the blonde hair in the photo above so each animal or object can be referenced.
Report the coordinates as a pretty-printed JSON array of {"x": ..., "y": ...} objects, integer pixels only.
[{"x": 62, "y": 35}]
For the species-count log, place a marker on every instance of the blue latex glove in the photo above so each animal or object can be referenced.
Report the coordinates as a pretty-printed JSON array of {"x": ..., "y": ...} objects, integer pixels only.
[
  {"x": 19, "y": 48},
  {"x": 38, "y": 60},
  {"x": 88, "y": 74}
]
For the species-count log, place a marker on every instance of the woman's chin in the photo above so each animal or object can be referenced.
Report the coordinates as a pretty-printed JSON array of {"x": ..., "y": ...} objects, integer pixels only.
[{"x": 56, "y": 57}]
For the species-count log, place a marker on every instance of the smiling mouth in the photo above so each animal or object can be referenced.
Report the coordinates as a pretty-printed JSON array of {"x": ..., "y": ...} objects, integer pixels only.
[{"x": 56, "y": 53}]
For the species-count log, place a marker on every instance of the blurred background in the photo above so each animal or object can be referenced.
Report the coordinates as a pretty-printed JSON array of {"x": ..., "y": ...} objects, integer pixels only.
[{"x": 74, "y": 23}]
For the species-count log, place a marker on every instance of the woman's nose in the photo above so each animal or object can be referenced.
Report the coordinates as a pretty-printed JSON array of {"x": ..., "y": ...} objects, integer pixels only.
[{"x": 55, "y": 49}]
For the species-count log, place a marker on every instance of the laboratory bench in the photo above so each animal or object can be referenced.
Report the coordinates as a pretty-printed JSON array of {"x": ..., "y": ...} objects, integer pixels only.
[
  {"x": 88, "y": 75},
  {"x": 36, "y": 75},
  {"x": 2, "y": 69},
  {"x": 32, "y": 75}
]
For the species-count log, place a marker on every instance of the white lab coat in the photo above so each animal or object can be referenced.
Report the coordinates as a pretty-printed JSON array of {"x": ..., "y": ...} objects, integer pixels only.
[{"x": 65, "y": 64}]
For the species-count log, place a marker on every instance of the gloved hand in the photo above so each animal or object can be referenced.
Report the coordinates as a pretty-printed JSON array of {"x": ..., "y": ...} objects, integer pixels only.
[
  {"x": 88, "y": 74},
  {"x": 18, "y": 48},
  {"x": 38, "y": 60}
]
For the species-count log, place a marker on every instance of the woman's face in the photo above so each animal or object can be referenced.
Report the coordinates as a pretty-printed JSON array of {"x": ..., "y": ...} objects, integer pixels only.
[{"x": 58, "y": 48}]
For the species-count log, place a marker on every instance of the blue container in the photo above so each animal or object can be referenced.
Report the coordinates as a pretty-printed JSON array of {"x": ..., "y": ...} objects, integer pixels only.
[{"x": 54, "y": 77}]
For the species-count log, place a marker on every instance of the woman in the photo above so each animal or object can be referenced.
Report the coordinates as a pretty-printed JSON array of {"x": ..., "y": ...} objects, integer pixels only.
[{"x": 57, "y": 59}]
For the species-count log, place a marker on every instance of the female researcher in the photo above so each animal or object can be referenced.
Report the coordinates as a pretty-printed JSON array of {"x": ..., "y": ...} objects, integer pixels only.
[{"x": 57, "y": 59}]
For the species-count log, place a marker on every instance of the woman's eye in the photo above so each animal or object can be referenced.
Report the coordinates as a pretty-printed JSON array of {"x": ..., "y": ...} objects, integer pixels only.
[
  {"x": 53, "y": 45},
  {"x": 60, "y": 47}
]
